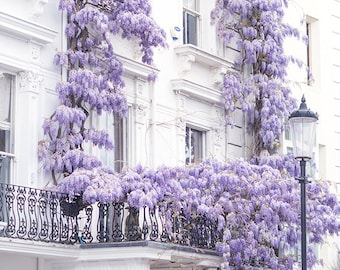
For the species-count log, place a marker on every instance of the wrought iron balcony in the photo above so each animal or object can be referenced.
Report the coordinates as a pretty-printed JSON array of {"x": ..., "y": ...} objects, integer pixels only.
[{"x": 42, "y": 215}]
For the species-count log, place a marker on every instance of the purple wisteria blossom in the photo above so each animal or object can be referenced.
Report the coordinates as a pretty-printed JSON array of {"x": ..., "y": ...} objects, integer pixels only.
[
  {"x": 256, "y": 207},
  {"x": 255, "y": 204},
  {"x": 94, "y": 77},
  {"x": 257, "y": 28}
]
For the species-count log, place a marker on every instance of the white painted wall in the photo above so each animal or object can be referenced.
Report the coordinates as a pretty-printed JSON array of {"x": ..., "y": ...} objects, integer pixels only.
[
  {"x": 186, "y": 91},
  {"x": 28, "y": 41},
  {"x": 323, "y": 96}
]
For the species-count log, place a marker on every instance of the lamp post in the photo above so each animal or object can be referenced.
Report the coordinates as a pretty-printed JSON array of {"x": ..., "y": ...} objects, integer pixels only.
[{"x": 302, "y": 124}]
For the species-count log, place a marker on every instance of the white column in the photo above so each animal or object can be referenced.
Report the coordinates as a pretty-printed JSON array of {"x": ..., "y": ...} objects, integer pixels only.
[
  {"x": 26, "y": 127},
  {"x": 140, "y": 151},
  {"x": 180, "y": 127},
  {"x": 217, "y": 137},
  {"x": 180, "y": 139}
]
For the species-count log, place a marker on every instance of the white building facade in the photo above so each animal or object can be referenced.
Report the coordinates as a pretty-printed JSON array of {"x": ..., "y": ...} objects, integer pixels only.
[{"x": 177, "y": 119}]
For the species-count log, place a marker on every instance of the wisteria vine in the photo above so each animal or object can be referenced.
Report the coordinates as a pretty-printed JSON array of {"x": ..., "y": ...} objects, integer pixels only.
[
  {"x": 258, "y": 85},
  {"x": 255, "y": 204},
  {"x": 94, "y": 77},
  {"x": 256, "y": 207}
]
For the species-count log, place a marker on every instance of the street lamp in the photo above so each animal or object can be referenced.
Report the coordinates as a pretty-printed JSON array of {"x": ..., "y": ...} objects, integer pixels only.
[{"x": 302, "y": 124}]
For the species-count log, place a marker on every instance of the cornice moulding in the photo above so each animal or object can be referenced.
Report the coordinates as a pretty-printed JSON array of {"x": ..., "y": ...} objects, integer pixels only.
[
  {"x": 193, "y": 90},
  {"x": 201, "y": 56},
  {"x": 136, "y": 69},
  {"x": 12, "y": 64},
  {"x": 28, "y": 31}
]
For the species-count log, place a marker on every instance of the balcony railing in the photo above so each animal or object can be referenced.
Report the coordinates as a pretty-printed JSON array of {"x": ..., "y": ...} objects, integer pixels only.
[{"x": 42, "y": 215}]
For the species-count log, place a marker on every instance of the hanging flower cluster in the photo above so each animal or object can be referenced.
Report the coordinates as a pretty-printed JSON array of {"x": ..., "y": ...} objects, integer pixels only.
[
  {"x": 94, "y": 77},
  {"x": 258, "y": 86},
  {"x": 256, "y": 207}
]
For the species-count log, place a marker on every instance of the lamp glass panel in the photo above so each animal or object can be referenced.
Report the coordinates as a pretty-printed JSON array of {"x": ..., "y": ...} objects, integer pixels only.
[{"x": 303, "y": 136}]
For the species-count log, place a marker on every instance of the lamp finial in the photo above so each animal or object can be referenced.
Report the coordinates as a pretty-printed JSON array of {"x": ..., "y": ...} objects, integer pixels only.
[{"x": 303, "y": 105}]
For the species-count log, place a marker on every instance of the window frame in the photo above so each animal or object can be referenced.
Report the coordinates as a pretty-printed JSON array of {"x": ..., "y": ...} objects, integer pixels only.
[
  {"x": 309, "y": 51},
  {"x": 310, "y": 31},
  {"x": 201, "y": 145},
  {"x": 8, "y": 155},
  {"x": 109, "y": 122},
  {"x": 195, "y": 14},
  {"x": 120, "y": 137}
]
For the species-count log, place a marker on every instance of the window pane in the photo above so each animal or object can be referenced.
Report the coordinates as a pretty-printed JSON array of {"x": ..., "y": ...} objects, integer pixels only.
[
  {"x": 308, "y": 53},
  {"x": 5, "y": 141},
  {"x": 308, "y": 26},
  {"x": 193, "y": 146},
  {"x": 190, "y": 4},
  {"x": 290, "y": 150},
  {"x": 287, "y": 135},
  {"x": 105, "y": 122},
  {"x": 190, "y": 29},
  {"x": 5, "y": 169},
  {"x": 116, "y": 128},
  {"x": 5, "y": 100},
  {"x": 119, "y": 142},
  {"x": 196, "y": 137}
]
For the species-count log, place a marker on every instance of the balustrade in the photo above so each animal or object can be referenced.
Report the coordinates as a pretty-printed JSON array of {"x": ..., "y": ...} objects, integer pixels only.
[{"x": 43, "y": 215}]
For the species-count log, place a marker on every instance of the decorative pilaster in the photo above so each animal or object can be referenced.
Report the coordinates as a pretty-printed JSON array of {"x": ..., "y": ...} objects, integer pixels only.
[
  {"x": 29, "y": 81},
  {"x": 218, "y": 138},
  {"x": 38, "y": 7},
  {"x": 140, "y": 90},
  {"x": 137, "y": 54},
  {"x": 180, "y": 124},
  {"x": 218, "y": 133},
  {"x": 140, "y": 114},
  {"x": 180, "y": 138},
  {"x": 139, "y": 133},
  {"x": 28, "y": 119},
  {"x": 35, "y": 52},
  {"x": 186, "y": 61},
  {"x": 180, "y": 100},
  {"x": 217, "y": 74},
  {"x": 220, "y": 115}
]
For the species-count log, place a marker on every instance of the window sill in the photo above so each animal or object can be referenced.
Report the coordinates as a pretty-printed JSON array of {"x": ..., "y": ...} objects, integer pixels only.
[{"x": 193, "y": 54}]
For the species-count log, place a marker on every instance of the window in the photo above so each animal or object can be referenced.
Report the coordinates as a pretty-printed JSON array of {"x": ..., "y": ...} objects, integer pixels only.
[
  {"x": 308, "y": 53},
  {"x": 6, "y": 126},
  {"x": 190, "y": 22},
  {"x": 311, "y": 32},
  {"x": 120, "y": 139},
  {"x": 117, "y": 129},
  {"x": 194, "y": 145},
  {"x": 308, "y": 32}
]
